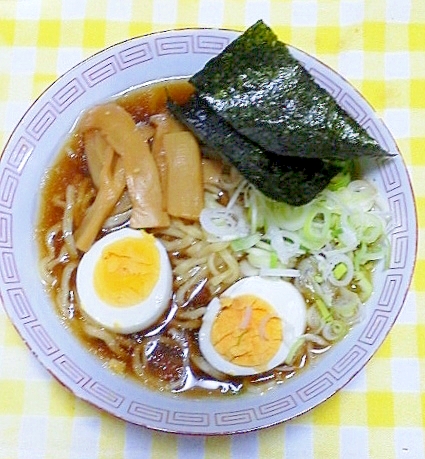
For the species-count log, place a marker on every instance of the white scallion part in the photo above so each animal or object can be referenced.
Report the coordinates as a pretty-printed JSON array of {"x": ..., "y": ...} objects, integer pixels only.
[
  {"x": 316, "y": 339},
  {"x": 279, "y": 272},
  {"x": 367, "y": 226},
  {"x": 245, "y": 243},
  {"x": 226, "y": 224},
  {"x": 293, "y": 351},
  {"x": 339, "y": 269},
  {"x": 287, "y": 244},
  {"x": 314, "y": 320},
  {"x": 235, "y": 196},
  {"x": 263, "y": 325},
  {"x": 347, "y": 235},
  {"x": 246, "y": 319},
  {"x": 259, "y": 257},
  {"x": 334, "y": 330},
  {"x": 363, "y": 194},
  {"x": 246, "y": 269},
  {"x": 347, "y": 306}
]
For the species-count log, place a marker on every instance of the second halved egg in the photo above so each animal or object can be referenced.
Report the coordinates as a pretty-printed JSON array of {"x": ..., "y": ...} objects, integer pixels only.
[{"x": 251, "y": 327}]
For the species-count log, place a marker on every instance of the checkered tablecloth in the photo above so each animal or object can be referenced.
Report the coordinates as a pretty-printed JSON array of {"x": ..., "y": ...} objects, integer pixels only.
[{"x": 379, "y": 46}]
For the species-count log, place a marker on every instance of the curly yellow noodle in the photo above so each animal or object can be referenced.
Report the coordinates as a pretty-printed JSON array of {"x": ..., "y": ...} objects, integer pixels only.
[
  {"x": 206, "y": 248},
  {"x": 183, "y": 291},
  {"x": 94, "y": 331},
  {"x": 137, "y": 361},
  {"x": 178, "y": 244},
  {"x": 63, "y": 298},
  {"x": 191, "y": 314},
  {"x": 193, "y": 230},
  {"x": 45, "y": 272},
  {"x": 184, "y": 266},
  {"x": 67, "y": 222},
  {"x": 228, "y": 276}
]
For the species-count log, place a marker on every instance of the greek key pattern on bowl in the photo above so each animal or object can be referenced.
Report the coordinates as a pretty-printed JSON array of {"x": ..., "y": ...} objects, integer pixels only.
[
  {"x": 42, "y": 121},
  {"x": 277, "y": 407},
  {"x": 185, "y": 418},
  {"x": 8, "y": 184},
  {"x": 8, "y": 268},
  {"x": 147, "y": 414},
  {"x": 41, "y": 337},
  {"x": 71, "y": 370},
  {"x": 103, "y": 394},
  {"x": 68, "y": 94},
  {"x": 21, "y": 305},
  {"x": 135, "y": 55},
  {"x": 5, "y": 230},
  {"x": 20, "y": 154}
]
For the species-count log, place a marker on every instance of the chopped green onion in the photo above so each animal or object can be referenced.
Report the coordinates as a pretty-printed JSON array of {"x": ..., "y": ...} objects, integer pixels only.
[
  {"x": 340, "y": 271},
  {"x": 245, "y": 243},
  {"x": 339, "y": 181},
  {"x": 294, "y": 349},
  {"x": 323, "y": 310},
  {"x": 367, "y": 253},
  {"x": 346, "y": 305},
  {"x": 335, "y": 330},
  {"x": 364, "y": 285},
  {"x": 289, "y": 217},
  {"x": 316, "y": 229},
  {"x": 274, "y": 260},
  {"x": 259, "y": 258}
]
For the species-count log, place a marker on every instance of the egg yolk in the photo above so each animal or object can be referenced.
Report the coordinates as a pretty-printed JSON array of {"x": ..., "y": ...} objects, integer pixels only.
[
  {"x": 246, "y": 331},
  {"x": 127, "y": 271}
]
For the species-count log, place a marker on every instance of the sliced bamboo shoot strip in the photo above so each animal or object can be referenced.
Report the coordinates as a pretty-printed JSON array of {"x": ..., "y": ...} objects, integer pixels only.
[
  {"x": 185, "y": 194},
  {"x": 142, "y": 177}
]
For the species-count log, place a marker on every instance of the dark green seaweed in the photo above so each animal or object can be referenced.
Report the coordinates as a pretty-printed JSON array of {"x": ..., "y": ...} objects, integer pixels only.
[
  {"x": 289, "y": 179},
  {"x": 265, "y": 94}
]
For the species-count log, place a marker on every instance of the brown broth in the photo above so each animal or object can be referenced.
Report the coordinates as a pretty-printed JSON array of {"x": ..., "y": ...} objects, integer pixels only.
[{"x": 165, "y": 362}]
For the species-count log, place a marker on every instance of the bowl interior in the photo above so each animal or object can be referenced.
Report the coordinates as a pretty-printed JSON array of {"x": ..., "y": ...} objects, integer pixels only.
[{"x": 32, "y": 149}]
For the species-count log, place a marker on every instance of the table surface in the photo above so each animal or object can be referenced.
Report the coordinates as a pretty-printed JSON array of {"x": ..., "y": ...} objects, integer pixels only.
[{"x": 379, "y": 47}]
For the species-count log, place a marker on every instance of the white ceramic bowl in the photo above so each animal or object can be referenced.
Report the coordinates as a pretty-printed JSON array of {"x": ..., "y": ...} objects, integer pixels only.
[{"x": 32, "y": 148}]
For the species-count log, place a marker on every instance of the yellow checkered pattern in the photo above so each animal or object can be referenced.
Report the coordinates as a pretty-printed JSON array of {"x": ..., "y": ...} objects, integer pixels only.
[{"x": 379, "y": 46}]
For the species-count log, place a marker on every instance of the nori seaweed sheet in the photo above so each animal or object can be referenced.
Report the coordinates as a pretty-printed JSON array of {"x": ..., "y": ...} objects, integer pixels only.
[
  {"x": 293, "y": 180},
  {"x": 258, "y": 87}
]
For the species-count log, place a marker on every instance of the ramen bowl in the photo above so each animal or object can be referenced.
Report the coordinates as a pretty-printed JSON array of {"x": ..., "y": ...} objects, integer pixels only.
[{"x": 32, "y": 149}]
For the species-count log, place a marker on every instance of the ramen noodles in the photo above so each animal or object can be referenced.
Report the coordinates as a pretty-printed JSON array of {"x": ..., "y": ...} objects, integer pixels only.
[{"x": 175, "y": 271}]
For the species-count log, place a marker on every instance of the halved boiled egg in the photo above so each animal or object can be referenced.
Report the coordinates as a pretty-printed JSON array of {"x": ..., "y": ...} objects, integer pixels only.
[
  {"x": 124, "y": 282},
  {"x": 251, "y": 327}
]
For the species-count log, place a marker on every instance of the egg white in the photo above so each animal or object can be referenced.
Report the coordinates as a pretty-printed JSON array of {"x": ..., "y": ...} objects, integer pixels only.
[
  {"x": 289, "y": 306},
  {"x": 123, "y": 319}
]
